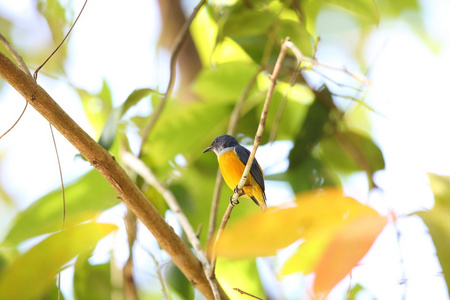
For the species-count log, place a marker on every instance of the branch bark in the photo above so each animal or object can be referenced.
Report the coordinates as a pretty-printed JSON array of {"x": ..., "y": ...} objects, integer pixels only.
[{"x": 106, "y": 164}]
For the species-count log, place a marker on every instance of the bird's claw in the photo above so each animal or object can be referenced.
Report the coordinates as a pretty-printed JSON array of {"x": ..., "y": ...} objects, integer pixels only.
[
  {"x": 239, "y": 191},
  {"x": 233, "y": 203}
]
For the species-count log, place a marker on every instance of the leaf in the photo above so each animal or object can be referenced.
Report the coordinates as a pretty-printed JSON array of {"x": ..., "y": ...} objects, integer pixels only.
[
  {"x": 348, "y": 245},
  {"x": 337, "y": 232},
  {"x": 178, "y": 282},
  {"x": 440, "y": 185},
  {"x": 38, "y": 267},
  {"x": 396, "y": 8},
  {"x": 310, "y": 174},
  {"x": 226, "y": 82},
  {"x": 438, "y": 221},
  {"x": 86, "y": 199},
  {"x": 313, "y": 128},
  {"x": 366, "y": 10},
  {"x": 297, "y": 33},
  {"x": 135, "y": 97},
  {"x": 350, "y": 152},
  {"x": 186, "y": 129},
  {"x": 310, "y": 213},
  {"x": 241, "y": 274},
  {"x": 97, "y": 106},
  {"x": 92, "y": 281},
  {"x": 110, "y": 129},
  {"x": 249, "y": 28},
  {"x": 244, "y": 22}
]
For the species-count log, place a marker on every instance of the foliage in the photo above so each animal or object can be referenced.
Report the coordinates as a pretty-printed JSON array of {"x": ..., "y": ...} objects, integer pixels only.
[{"x": 237, "y": 42}]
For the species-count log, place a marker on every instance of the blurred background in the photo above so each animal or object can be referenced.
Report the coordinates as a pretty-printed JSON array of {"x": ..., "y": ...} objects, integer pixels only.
[{"x": 384, "y": 143}]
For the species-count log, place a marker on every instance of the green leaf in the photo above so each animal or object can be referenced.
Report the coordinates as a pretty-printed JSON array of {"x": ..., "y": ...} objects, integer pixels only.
[
  {"x": 366, "y": 10},
  {"x": 92, "y": 281},
  {"x": 178, "y": 282},
  {"x": 244, "y": 22},
  {"x": 440, "y": 185},
  {"x": 241, "y": 274},
  {"x": 438, "y": 223},
  {"x": 135, "y": 97},
  {"x": 86, "y": 199},
  {"x": 224, "y": 83},
  {"x": 351, "y": 152},
  {"x": 37, "y": 268},
  {"x": 190, "y": 127},
  {"x": 395, "y": 8},
  {"x": 109, "y": 132},
  {"x": 55, "y": 15},
  {"x": 309, "y": 174},
  {"x": 298, "y": 35},
  {"x": 313, "y": 128},
  {"x": 110, "y": 129},
  {"x": 97, "y": 106}
]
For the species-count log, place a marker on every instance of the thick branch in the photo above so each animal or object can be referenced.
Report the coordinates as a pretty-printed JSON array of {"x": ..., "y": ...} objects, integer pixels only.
[{"x": 105, "y": 163}]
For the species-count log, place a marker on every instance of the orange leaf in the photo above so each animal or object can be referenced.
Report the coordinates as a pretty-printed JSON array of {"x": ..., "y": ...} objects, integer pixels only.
[
  {"x": 337, "y": 232},
  {"x": 349, "y": 245},
  {"x": 264, "y": 234}
]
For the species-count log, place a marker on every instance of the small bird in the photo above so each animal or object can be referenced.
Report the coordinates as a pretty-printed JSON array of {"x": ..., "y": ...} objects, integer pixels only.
[{"x": 232, "y": 159}]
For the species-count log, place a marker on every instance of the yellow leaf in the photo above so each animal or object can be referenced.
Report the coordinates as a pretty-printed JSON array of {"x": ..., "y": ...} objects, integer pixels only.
[{"x": 337, "y": 231}]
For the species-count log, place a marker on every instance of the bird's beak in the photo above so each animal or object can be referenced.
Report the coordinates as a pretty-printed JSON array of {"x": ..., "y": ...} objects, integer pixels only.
[{"x": 207, "y": 149}]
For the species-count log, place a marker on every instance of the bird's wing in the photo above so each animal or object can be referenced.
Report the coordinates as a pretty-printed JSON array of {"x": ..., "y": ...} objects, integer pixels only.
[{"x": 243, "y": 154}]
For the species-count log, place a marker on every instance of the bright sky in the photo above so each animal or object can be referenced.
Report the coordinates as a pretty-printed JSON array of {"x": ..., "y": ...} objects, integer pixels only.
[{"x": 408, "y": 88}]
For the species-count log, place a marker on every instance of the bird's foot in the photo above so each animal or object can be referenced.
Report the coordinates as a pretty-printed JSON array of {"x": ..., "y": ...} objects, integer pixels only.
[
  {"x": 233, "y": 203},
  {"x": 239, "y": 191}
]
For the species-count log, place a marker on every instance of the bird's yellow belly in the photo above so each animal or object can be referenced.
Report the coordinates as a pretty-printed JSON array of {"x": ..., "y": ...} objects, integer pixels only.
[{"x": 232, "y": 168}]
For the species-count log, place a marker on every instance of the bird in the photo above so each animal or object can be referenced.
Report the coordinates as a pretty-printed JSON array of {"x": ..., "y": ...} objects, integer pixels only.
[{"x": 232, "y": 158}]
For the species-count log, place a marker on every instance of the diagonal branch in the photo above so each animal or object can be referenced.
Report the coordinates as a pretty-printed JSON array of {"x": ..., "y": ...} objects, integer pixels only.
[
  {"x": 146, "y": 173},
  {"x": 106, "y": 164}
]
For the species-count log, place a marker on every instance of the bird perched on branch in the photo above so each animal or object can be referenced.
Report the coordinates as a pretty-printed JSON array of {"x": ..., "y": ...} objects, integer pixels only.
[{"x": 232, "y": 159}]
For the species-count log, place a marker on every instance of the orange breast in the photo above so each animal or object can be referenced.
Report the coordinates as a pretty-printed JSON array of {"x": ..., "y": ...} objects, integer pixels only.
[{"x": 231, "y": 168}]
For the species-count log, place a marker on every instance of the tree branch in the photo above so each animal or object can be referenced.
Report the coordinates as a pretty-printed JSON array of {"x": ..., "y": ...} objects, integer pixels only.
[
  {"x": 259, "y": 133},
  {"x": 106, "y": 164},
  {"x": 139, "y": 167},
  {"x": 234, "y": 118}
]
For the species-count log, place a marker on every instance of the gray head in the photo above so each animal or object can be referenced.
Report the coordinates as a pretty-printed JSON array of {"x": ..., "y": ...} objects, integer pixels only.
[{"x": 222, "y": 142}]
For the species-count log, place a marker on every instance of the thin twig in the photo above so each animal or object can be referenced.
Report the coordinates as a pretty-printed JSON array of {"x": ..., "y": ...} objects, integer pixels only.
[
  {"x": 146, "y": 173},
  {"x": 181, "y": 38},
  {"x": 277, "y": 120},
  {"x": 361, "y": 102},
  {"x": 35, "y": 74},
  {"x": 349, "y": 289},
  {"x": 20, "y": 62},
  {"x": 164, "y": 289},
  {"x": 234, "y": 118},
  {"x": 259, "y": 132},
  {"x": 247, "y": 294},
  {"x": 339, "y": 84},
  {"x": 17, "y": 121},
  {"x": 301, "y": 58}
]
